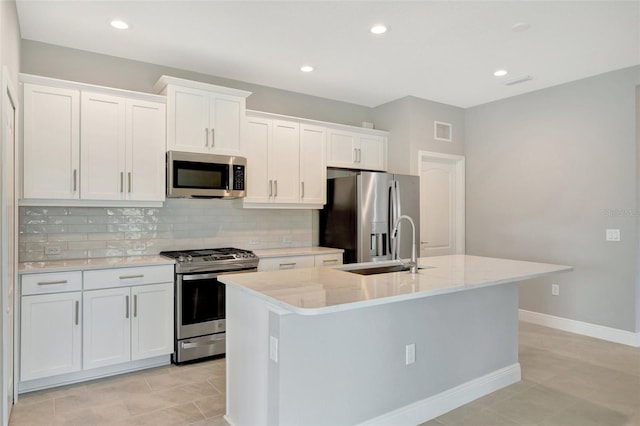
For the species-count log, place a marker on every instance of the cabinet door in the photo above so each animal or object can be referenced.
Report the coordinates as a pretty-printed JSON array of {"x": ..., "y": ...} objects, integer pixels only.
[
  {"x": 106, "y": 333},
  {"x": 225, "y": 121},
  {"x": 286, "y": 262},
  {"x": 257, "y": 143},
  {"x": 187, "y": 120},
  {"x": 152, "y": 320},
  {"x": 372, "y": 154},
  {"x": 51, "y": 144},
  {"x": 145, "y": 151},
  {"x": 102, "y": 147},
  {"x": 284, "y": 167},
  {"x": 50, "y": 335},
  {"x": 313, "y": 164},
  {"x": 341, "y": 149}
]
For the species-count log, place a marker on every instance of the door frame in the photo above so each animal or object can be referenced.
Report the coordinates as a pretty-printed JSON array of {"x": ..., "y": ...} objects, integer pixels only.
[
  {"x": 9, "y": 92},
  {"x": 459, "y": 162}
]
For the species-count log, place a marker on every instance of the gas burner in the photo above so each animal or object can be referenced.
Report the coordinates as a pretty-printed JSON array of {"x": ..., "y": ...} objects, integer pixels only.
[{"x": 214, "y": 259}]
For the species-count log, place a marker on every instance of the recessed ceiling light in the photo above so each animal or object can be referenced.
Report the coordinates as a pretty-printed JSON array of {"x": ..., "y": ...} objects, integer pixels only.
[
  {"x": 520, "y": 27},
  {"x": 119, "y": 24},
  {"x": 378, "y": 29},
  {"x": 306, "y": 68},
  {"x": 500, "y": 73}
]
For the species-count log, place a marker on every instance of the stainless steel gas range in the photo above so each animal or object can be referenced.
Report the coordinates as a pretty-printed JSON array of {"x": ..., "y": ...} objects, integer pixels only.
[{"x": 200, "y": 298}]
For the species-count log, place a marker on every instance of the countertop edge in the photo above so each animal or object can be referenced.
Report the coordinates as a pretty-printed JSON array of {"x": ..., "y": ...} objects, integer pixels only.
[
  {"x": 295, "y": 251},
  {"x": 37, "y": 267}
]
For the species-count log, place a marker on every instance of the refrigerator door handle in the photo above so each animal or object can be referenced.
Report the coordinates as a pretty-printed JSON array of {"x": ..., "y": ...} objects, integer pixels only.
[
  {"x": 392, "y": 219},
  {"x": 398, "y": 214}
]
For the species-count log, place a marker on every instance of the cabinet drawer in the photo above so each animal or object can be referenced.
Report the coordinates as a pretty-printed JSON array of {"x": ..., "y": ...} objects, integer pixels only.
[
  {"x": 289, "y": 262},
  {"x": 328, "y": 259},
  {"x": 120, "y": 277},
  {"x": 54, "y": 282}
]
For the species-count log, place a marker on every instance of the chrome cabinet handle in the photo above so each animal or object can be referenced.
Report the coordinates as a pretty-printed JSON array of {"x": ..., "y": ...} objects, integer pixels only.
[
  {"x": 129, "y": 181},
  {"x": 126, "y": 306},
  {"x": 206, "y": 137},
  {"x": 121, "y": 181},
  {"x": 213, "y": 137},
  {"x": 270, "y": 188},
  {"x": 288, "y": 265},
  {"x": 275, "y": 188},
  {"x": 330, "y": 261},
  {"x": 135, "y": 305},
  {"x": 77, "y": 312},
  {"x": 355, "y": 155},
  {"x": 302, "y": 189},
  {"x": 358, "y": 155},
  {"x": 128, "y": 277},
  {"x": 75, "y": 180},
  {"x": 52, "y": 282}
]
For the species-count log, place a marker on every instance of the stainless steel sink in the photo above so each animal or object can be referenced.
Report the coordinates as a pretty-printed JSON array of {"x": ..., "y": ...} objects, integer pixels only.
[{"x": 379, "y": 270}]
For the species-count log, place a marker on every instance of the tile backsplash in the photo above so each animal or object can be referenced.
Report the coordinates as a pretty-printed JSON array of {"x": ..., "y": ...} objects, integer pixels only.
[{"x": 56, "y": 233}]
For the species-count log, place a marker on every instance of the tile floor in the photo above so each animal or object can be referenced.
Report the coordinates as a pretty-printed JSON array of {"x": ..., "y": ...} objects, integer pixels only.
[{"x": 567, "y": 380}]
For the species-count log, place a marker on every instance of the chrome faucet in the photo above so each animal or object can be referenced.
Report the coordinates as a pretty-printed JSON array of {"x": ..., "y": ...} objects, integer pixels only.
[{"x": 413, "y": 264}]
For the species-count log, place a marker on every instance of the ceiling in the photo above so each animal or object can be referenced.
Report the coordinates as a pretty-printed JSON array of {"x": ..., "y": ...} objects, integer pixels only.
[{"x": 444, "y": 51}]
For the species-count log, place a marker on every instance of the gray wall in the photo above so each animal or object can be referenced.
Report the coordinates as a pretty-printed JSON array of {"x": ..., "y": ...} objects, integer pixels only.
[
  {"x": 547, "y": 173},
  {"x": 411, "y": 123},
  {"x": 86, "y": 67}
]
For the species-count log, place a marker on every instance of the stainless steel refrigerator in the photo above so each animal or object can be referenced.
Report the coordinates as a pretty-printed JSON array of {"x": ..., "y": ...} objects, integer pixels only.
[{"x": 361, "y": 211}]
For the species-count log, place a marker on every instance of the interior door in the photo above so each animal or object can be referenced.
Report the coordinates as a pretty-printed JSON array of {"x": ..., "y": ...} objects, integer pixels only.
[{"x": 438, "y": 207}]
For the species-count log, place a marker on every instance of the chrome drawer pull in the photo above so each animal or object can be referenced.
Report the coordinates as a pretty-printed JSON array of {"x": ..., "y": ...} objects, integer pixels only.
[
  {"x": 129, "y": 277},
  {"x": 135, "y": 305},
  {"x": 52, "y": 282},
  {"x": 126, "y": 306},
  {"x": 292, "y": 264},
  {"x": 330, "y": 261}
]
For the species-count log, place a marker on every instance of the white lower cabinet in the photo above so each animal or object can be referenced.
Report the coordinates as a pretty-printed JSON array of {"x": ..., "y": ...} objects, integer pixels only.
[
  {"x": 107, "y": 327},
  {"x": 75, "y": 322},
  {"x": 299, "y": 261},
  {"x": 50, "y": 342},
  {"x": 152, "y": 320}
]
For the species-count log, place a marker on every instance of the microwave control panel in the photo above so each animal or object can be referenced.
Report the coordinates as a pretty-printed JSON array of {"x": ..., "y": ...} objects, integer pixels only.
[{"x": 238, "y": 178}]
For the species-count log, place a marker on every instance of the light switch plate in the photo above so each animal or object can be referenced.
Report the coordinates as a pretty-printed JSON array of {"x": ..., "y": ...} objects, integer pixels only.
[{"x": 613, "y": 235}]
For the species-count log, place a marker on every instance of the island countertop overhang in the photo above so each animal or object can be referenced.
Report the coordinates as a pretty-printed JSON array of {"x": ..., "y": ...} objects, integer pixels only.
[{"x": 315, "y": 291}]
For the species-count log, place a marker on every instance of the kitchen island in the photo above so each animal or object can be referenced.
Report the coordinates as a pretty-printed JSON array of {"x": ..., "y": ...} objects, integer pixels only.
[{"x": 323, "y": 346}]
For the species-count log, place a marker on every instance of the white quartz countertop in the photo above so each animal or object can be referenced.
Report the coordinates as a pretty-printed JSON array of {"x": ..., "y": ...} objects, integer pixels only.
[
  {"x": 312, "y": 291},
  {"x": 97, "y": 263},
  {"x": 295, "y": 251}
]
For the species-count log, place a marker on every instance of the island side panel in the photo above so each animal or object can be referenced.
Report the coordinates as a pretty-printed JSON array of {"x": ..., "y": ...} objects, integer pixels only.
[
  {"x": 349, "y": 367},
  {"x": 247, "y": 357}
]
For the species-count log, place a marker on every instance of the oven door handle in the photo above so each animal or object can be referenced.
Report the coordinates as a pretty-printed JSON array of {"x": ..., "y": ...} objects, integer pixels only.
[
  {"x": 195, "y": 277},
  {"x": 211, "y": 342}
]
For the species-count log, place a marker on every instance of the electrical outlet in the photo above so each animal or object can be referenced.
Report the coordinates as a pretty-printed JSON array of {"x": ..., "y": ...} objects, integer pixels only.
[
  {"x": 52, "y": 250},
  {"x": 410, "y": 353},
  {"x": 273, "y": 349},
  {"x": 555, "y": 289},
  {"x": 140, "y": 246},
  {"x": 613, "y": 235}
]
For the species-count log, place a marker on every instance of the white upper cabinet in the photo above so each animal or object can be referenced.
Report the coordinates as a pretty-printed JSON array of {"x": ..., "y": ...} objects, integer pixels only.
[
  {"x": 313, "y": 170},
  {"x": 203, "y": 118},
  {"x": 122, "y": 157},
  {"x": 356, "y": 150},
  {"x": 51, "y": 142},
  {"x": 95, "y": 145},
  {"x": 286, "y": 164}
]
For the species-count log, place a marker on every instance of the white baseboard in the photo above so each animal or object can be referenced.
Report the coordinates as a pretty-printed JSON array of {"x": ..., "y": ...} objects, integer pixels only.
[
  {"x": 437, "y": 405},
  {"x": 578, "y": 327}
]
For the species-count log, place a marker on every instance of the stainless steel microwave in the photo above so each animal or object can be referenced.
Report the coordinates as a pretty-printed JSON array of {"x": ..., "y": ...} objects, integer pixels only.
[{"x": 191, "y": 175}]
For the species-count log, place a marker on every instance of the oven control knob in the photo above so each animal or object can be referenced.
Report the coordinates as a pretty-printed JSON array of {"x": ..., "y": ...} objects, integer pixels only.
[
  {"x": 189, "y": 258},
  {"x": 181, "y": 258}
]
